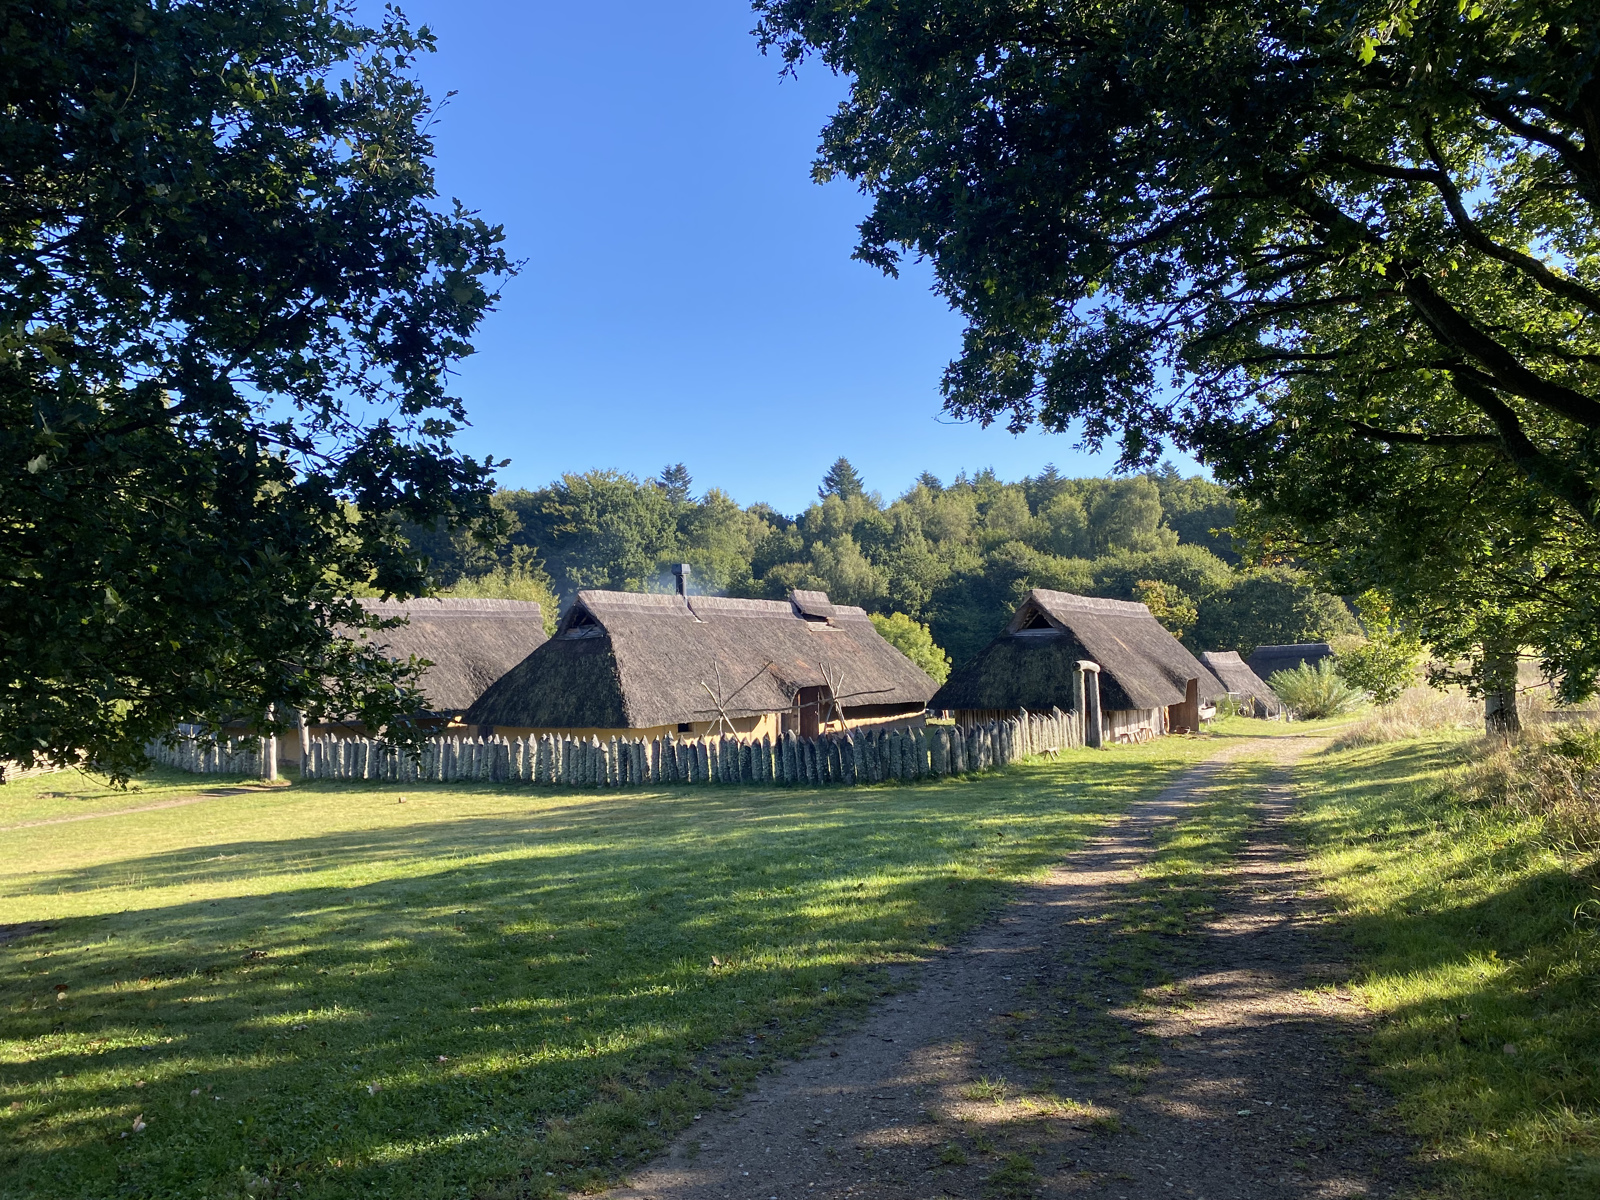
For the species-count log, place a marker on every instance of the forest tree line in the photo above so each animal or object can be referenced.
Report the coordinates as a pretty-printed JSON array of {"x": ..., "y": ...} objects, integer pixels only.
[{"x": 954, "y": 556}]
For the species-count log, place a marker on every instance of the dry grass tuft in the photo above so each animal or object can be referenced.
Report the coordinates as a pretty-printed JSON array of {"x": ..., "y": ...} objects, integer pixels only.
[
  {"x": 1551, "y": 772},
  {"x": 1418, "y": 711}
]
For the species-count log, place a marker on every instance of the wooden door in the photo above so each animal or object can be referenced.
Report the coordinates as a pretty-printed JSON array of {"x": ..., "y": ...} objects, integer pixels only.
[{"x": 810, "y": 701}]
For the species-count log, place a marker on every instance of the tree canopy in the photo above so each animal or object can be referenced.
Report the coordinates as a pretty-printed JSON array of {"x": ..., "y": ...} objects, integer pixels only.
[
  {"x": 1348, "y": 251},
  {"x": 229, "y": 304},
  {"x": 952, "y": 557}
]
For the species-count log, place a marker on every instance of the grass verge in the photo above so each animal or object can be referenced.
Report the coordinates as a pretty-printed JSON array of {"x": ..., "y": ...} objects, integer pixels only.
[
  {"x": 1475, "y": 938},
  {"x": 320, "y": 991}
]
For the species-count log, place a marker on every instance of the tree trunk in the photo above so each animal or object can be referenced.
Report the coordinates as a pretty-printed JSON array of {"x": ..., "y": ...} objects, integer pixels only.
[{"x": 1500, "y": 718}]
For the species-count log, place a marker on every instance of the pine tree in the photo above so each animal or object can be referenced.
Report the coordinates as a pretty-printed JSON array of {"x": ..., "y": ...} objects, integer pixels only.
[
  {"x": 842, "y": 480},
  {"x": 675, "y": 481}
]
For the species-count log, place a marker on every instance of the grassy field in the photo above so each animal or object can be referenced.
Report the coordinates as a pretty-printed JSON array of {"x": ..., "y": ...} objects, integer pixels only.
[
  {"x": 317, "y": 990},
  {"x": 1477, "y": 939}
]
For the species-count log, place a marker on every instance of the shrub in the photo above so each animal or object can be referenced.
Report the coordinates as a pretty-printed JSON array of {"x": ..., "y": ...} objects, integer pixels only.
[
  {"x": 1385, "y": 663},
  {"x": 913, "y": 640},
  {"x": 1383, "y": 667},
  {"x": 1314, "y": 692}
]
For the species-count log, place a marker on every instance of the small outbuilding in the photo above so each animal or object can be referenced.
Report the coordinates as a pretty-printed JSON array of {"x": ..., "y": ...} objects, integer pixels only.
[
  {"x": 1254, "y": 696},
  {"x": 1265, "y": 661},
  {"x": 1148, "y": 683},
  {"x": 640, "y": 665}
]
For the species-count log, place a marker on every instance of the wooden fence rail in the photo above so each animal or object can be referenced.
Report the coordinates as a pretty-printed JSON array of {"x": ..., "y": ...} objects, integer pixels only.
[{"x": 552, "y": 760}]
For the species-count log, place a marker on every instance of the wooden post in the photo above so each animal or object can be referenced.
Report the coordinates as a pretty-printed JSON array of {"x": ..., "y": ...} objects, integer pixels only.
[{"x": 1093, "y": 729}]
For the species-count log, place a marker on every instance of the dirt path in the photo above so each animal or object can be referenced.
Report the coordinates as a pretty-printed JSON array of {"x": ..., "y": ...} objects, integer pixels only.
[
  {"x": 1042, "y": 1059},
  {"x": 180, "y": 802}
]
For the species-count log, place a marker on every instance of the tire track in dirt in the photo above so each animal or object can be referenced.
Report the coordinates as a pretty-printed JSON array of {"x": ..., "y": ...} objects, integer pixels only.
[{"x": 1040, "y": 1058}]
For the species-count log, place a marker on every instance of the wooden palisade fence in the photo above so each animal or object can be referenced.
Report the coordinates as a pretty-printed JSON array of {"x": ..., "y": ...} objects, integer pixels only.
[
  {"x": 226, "y": 756},
  {"x": 860, "y": 756}
]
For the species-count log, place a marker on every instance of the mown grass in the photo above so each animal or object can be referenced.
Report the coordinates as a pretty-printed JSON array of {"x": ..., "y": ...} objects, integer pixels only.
[
  {"x": 66, "y": 795},
  {"x": 319, "y": 991},
  {"x": 1475, "y": 938}
]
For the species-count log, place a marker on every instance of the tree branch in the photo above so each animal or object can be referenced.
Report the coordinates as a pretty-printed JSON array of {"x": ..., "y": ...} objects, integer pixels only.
[
  {"x": 1404, "y": 437},
  {"x": 1452, "y": 327},
  {"x": 1571, "y": 153},
  {"x": 1570, "y": 289},
  {"x": 1536, "y": 466}
]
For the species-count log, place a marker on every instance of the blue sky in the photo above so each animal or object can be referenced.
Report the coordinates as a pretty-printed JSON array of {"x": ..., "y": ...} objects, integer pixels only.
[{"x": 688, "y": 292}]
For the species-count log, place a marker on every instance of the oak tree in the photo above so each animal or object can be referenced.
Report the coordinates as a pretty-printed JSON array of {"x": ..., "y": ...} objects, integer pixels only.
[
  {"x": 1340, "y": 248},
  {"x": 229, "y": 305}
]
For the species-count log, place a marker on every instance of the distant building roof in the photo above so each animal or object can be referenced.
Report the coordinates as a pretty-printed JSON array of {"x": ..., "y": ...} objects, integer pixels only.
[
  {"x": 635, "y": 660},
  {"x": 1265, "y": 660},
  {"x": 471, "y": 643},
  {"x": 1030, "y": 665},
  {"x": 1239, "y": 679}
]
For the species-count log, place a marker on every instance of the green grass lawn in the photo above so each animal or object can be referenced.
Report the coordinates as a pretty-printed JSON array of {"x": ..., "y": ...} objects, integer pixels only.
[
  {"x": 315, "y": 990},
  {"x": 1477, "y": 942},
  {"x": 72, "y": 794}
]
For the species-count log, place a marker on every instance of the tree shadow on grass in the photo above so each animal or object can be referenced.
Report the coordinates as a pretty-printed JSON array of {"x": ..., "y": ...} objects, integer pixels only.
[
  {"x": 1470, "y": 937},
  {"x": 556, "y": 989}
]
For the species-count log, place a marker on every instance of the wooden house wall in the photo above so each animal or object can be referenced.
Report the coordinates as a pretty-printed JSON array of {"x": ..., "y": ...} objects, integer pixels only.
[{"x": 1133, "y": 724}]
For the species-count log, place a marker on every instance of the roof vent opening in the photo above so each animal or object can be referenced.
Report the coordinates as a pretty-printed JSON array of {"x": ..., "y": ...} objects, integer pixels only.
[
  {"x": 680, "y": 572},
  {"x": 580, "y": 623},
  {"x": 812, "y": 606},
  {"x": 1037, "y": 621}
]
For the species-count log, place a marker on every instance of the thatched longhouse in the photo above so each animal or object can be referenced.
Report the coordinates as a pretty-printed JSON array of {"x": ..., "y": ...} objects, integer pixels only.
[
  {"x": 1244, "y": 685},
  {"x": 638, "y": 665},
  {"x": 1267, "y": 660},
  {"x": 470, "y": 644},
  {"x": 1149, "y": 684}
]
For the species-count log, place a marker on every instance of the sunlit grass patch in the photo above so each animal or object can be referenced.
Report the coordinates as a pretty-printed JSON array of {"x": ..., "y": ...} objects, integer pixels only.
[
  {"x": 75, "y": 794},
  {"x": 325, "y": 992},
  {"x": 994, "y": 1090},
  {"x": 1467, "y": 918}
]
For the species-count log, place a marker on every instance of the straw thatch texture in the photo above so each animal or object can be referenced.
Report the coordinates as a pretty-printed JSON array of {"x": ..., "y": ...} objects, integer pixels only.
[
  {"x": 471, "y": 643},
  {"x": 628, "y": 660},
  {"x": 1266, "y": 660},
  {"x": 1142, "y": 666},
  {"x": 1242, "y": 682}
]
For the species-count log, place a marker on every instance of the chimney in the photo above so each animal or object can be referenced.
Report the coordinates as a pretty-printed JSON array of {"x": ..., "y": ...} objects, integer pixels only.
[{"x": 680, "y": 572}]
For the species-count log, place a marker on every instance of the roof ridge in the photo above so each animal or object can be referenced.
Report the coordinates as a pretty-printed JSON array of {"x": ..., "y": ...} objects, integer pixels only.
[
  {"x": 439, "y": 604},
  {"x": 1091, "y": 603}
]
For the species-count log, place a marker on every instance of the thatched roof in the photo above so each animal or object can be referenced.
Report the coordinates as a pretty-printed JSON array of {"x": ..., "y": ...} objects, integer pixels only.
[
  {"x": 470, "y": 643},
  {"x": 631, "y": 660},
  {"x": 1030, "y": 664},
  {"x": 1265, "y": 660},
  {"x": 1239, "y": 679}
]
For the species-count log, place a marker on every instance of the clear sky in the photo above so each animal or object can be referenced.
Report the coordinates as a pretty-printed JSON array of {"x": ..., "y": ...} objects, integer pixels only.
[{"x": 688, "y": 292}]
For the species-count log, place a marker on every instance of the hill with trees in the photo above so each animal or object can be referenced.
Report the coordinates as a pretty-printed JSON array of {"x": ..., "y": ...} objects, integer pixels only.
[{"x": 952, "y": 556}]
